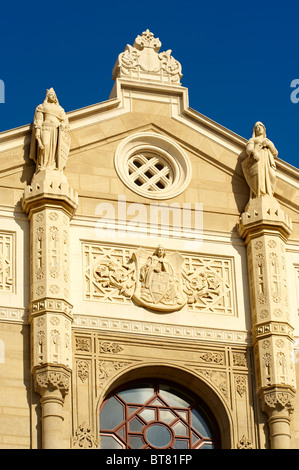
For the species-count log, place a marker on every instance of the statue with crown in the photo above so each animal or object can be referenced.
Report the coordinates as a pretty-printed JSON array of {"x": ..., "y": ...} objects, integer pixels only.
[{"x": 50, "y": 142}]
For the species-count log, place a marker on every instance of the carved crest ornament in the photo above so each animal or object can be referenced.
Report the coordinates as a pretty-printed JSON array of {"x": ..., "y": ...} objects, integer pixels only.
[
  {"x": 156, "y": 280},
  {"x": 143, "y": 59}
]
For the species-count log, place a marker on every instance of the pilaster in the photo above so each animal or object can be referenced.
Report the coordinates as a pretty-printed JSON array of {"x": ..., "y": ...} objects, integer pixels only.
[
  {"x": 266, "y": 228},
  {"x": 50, "y": 203}
]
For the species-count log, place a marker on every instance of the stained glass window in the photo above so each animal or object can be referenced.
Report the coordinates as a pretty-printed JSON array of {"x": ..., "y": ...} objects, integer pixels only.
[{"x": 154, "y": 415}]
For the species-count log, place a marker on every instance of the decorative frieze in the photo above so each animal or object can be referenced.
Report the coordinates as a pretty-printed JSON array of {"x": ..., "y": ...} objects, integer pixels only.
[
  {"x": 50, "y": 305},
  {"x": 161, "y": 329}
]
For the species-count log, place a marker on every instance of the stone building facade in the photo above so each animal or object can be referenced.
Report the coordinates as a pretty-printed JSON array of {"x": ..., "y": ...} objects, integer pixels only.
[{"x": 149, "y": 274}]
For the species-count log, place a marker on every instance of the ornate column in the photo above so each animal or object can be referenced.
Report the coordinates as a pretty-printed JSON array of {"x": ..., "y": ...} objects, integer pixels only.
[
  {"x": 50, "y": 203},
  {"x": 266, "y": 228}
]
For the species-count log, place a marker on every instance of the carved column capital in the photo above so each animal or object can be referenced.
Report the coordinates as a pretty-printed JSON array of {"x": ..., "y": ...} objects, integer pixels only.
[
  {"x": 278, "y": 399},
  {"x": 52, "y": 378},
  {"x": 278, "y": 403}
]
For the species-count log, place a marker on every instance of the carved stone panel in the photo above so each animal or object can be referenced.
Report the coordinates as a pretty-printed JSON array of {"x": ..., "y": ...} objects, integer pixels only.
[
  {"x": 158, "y": 279},
  {"x": 50, "y": 254},
  {"x": 7, "y": 262},
  {"x": 51, "y": 340}
]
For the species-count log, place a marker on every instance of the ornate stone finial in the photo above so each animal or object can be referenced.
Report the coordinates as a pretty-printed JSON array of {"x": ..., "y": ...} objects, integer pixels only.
[
  {"x": 50, "y": 142},
  {"x": 259, "y": 167},
  {"x": 147, "y": 39},
  {"x": 142, "y": 61}
]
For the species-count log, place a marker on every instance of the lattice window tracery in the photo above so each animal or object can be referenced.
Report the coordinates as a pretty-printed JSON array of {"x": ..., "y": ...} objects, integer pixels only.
[{"x": 150, "y": 171}]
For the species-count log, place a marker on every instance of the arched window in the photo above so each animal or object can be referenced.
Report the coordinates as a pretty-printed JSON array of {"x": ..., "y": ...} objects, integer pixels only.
[{"x": 156, "y": 415}]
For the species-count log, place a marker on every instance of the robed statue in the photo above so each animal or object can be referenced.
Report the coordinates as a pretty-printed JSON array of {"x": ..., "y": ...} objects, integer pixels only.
[
  {"x": 259, "y": 167},
  {"x": 50, "y": 142}
]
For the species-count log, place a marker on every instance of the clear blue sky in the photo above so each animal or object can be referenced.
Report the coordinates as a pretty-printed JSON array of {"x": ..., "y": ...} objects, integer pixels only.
[{"x": 238, "y": 58}]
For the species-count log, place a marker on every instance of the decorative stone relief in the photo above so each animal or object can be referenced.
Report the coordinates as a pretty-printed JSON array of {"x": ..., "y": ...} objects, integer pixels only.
[
  {"x": 268, "y": 285},
  {"x": 7, "y": 262},
  {"x": 109, "y": 368},
  {"x": 212, "y": 357},
  {"x": 244, "y": 443},
  {"x": 241, "y": 384},
  {"x": 83, "y": 344},
  {"x": 109, "y": 347},
  {"x": 50, "y": 256},
  {"x": 239, "y": 359},
  {"x": 158, "y": 280},
  {"x": 217, "y": 378},
  {"x": 39, "y": 253},
  {"x": 50, "y": 141},
  {"x": 54, "y": 254},
  {"x": 51, "y": 340},
  {"x": 83, "y": 370},
  {"x": 84, "y": 438},
  {"x": 143, "y": 61}
]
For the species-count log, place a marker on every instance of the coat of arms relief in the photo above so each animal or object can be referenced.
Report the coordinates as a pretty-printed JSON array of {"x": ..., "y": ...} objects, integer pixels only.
[{"x": 157, "y": 279}]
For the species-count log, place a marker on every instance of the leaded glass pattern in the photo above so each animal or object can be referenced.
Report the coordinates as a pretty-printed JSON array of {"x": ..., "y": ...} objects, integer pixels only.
[{"x": 155, "y": 415}]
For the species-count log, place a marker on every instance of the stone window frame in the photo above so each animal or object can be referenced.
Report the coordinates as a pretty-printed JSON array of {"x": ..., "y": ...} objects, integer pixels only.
[{"x": 154, "y": 147}]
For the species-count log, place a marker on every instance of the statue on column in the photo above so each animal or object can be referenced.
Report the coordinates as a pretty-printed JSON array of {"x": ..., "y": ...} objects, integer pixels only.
[
  {"x": 259, "y": 167},
  {"x": 50, "y": 143}
]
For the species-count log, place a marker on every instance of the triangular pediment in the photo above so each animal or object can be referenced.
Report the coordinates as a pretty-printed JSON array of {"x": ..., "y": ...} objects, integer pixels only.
[{"x": 147, "y": 98}]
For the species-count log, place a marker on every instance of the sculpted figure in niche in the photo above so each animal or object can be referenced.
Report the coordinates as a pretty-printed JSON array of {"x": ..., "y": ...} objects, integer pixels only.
[
  {"x": 50, "y": 141},
  {"x": 259, "y": 167}
]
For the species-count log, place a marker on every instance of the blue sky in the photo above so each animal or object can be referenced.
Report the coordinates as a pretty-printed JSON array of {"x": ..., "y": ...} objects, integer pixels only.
[{"x": 238, "y": 58}]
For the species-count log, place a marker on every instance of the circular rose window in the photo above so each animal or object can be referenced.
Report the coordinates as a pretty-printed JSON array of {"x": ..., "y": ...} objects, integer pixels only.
[
  {"x": 155, "y": 415},
  {"x": 153, "y": 166}
]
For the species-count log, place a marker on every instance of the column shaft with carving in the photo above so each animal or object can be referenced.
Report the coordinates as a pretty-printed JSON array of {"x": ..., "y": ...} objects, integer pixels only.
[
  {"x": 265, "y": 228},
  {"x": 50, "y": 203}
]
